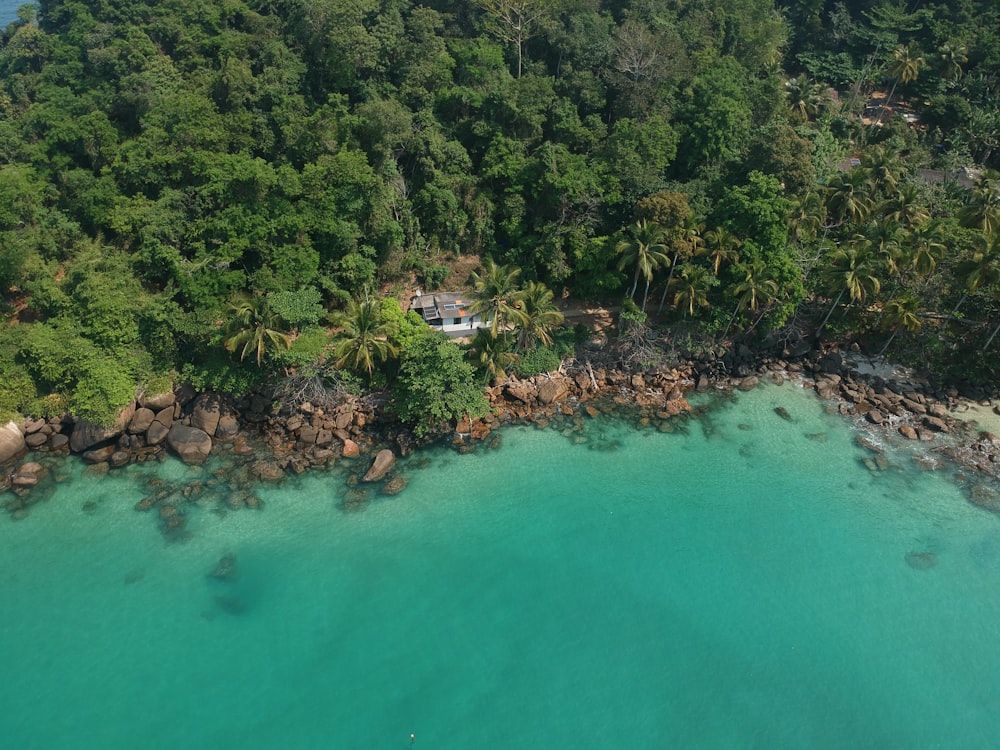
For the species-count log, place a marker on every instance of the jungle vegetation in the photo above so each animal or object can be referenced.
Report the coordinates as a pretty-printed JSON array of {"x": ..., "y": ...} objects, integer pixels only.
[{"x": 227, "y": 191}]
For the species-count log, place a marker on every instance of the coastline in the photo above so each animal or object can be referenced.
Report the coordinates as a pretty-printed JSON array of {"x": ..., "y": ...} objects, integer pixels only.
[{"x": 261, "y": 443}]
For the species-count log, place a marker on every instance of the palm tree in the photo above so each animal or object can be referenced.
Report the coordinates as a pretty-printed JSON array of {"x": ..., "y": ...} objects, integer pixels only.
[
  {"x": 851, "y": 270},
  {"x": 848, "y": 196},
  {"x": 540, "y": 316},
  {"x": 721, "y": 246},
  {"x": 647, "y": 250},
  {"x": 901, "y": 314},
  {"x": 252, "y": 327},
  {"x": 905, "y": 66},
  {"x": 926, "y": 245},
  {"x": 805, "y": 97},
  {"x": 492, "y": 354},
  {"x": 905, "y": 207},
  {"x": 365, "y": 339},
  {"x": 687, "y": 244},
  {"x": 806, "y": 215},
  {"x": 882, "y": 168},
  {"x": 497, "y": 293},
  {"x": 981, "y": 269},
  {"x": 983, "y": 209},
  {"x": 952, "y": 57},
  {"x": 756, "y": 284},
  {"x": 690, "y": 288}
]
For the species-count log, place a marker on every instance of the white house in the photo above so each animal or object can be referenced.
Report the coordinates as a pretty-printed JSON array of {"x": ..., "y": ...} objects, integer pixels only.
[{"x": 448, "y": 312}]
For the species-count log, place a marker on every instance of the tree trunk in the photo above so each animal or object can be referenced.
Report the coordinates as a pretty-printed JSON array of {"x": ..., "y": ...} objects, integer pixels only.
[
  {"x": 886, "y": 344},
  {"x": 830, "y": 312},
  {"x": 645, "y": 295},
  {"x": 673, "y": 265},
  {"x": 990, "y": 339},
  {"x": 635, "y": 283}
]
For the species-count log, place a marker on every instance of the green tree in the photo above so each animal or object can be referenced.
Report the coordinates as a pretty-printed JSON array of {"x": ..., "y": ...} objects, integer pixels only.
[
  {"x": 254, "y": 328},
  {"x": 493, "y": 355},
  {"x": 646, "y": 250},
  {"x": 435, "y": 385},
  {"x": 540, "y": 316},
  {"x": 691, "y": 287},
  {"x": 498, "y": 295},
  {"x": 364, "y": 341}
]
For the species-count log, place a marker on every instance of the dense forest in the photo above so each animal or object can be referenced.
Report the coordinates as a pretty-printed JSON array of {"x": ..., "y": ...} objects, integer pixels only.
[{"x": 224, "y": 191}]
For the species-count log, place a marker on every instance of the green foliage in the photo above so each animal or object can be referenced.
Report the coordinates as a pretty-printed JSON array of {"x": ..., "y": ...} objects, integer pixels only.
[
  {"x": 297, "y": 308},
  {"x": 436, "y": 385},
  {"x": 536, "y": 360}
]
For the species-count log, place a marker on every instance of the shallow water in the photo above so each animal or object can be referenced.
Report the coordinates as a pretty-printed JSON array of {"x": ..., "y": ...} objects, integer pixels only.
[{"x": 740, "y": 585}]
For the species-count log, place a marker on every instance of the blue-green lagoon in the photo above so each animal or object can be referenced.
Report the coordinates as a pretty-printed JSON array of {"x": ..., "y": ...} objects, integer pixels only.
[{"x": 748, "y": 582}]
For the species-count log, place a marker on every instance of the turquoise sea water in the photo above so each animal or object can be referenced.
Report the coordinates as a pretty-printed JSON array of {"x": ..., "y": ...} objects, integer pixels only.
[{"x": 740, "y": 585}]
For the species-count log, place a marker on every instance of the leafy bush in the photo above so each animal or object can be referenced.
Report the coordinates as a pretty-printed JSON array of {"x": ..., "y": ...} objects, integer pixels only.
[{"x": 536, "y": 360}]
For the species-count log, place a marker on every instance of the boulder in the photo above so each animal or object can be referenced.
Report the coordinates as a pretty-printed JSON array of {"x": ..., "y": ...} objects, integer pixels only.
[
  {"x": 28, "y": 474},
  {"x": 385, "y": 459},
  {"x": 119, "y": 458},
  {"x": 552, "y": 390},
  {"x": 228, "y": 427},
  {"x": 191, "y": 444},
  {"x": 748, "y": 383},
  {"x": 36, "y": 439},
  {"x": 58, "y": 442},
  {"x": 157, "y": 401},
  {"x": 908, "y": 432},
  {"x": 206, "y": 412},
  {"x": 87, "y": 434},
  {"x": 160, "y": 427},
  {"x": 344, "y": 420},
  {"x": 523, "y": 392},
  {"x": 394, "y": 486},
  {"x": 99, "y": 455},
  {"x": 141, "y": 420},
  {"x": 351, "y": 449}
]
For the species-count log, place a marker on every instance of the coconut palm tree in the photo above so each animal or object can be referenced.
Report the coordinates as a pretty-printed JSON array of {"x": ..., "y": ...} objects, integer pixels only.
[
  {"x": 848, "y": 197},
  {"x": 805, "y": 97},
  {"x": 926, "y": 244},
  {"x": 981, "y": 269},
  {"x": 951, "y": 58},
  {"x": 690, "y": 288},
  {"x": 365, "y": 340},
  {"x": 756, "y": 285},
  {"x": 646, "y": 249},
  {"x": 492, "y": 354},
  {"x": 497, "y": 293},
  {"x": 540, "y": 316},
  {"x": 905, "y": 66},
  {"x": 882, "y": 169},
  {"x": 253, "y": 327},
  {"x": 851, "y": 270},
  {"x": 983, "y": 209},
  {"x": 901, "y": 314},
  {"x": 687, "y": 244},
  {"x": 904, "y": 206},
  {"x": 721, "y": 246}
]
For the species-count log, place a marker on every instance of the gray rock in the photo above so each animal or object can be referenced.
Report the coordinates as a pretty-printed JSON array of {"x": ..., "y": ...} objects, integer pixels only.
[
  {"x": 36, "y": 439},
  {"x": 384, "y": 460},
  {"x": 228, "y": 427},
  {"x": 99, "y": 455},
  {"x": 160, "y": 427},
  {"x": 157, "y": 401},
  {"x": 191, "y": 444},
  {"x": 141, "y": 420},
  {"x": 87, "y": 434},
  {"x": 59, "y": 441},
  {"x": 206, "y": 413}
]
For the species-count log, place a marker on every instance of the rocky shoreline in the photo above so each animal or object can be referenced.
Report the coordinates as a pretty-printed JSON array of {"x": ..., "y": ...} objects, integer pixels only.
[{"x": 265, "y": 442}]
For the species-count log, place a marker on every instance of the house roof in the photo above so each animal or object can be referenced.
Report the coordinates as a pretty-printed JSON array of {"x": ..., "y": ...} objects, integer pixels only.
[{"x": 441, "y": 305}]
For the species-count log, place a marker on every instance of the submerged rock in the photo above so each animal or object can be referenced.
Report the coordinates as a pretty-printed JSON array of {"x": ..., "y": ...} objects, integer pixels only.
[
  {"x": 385, "y": 459},
  {"x": 225, "y": 569},
  {"x": 921, "y": 560}
]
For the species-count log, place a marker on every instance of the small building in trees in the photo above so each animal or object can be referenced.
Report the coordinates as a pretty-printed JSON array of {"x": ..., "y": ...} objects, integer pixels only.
[{"x": 448, "y": 311}]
